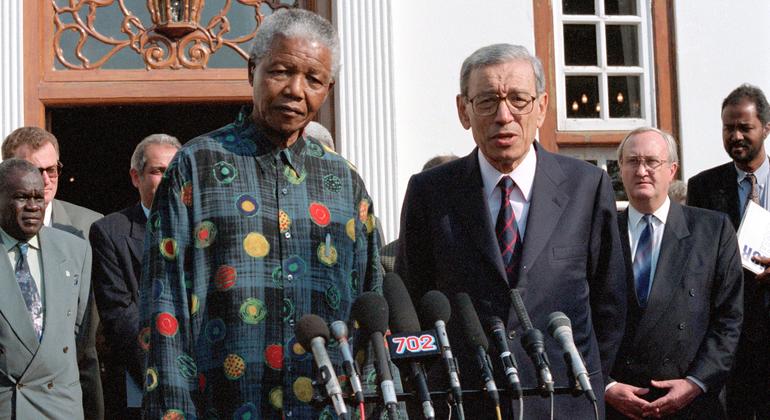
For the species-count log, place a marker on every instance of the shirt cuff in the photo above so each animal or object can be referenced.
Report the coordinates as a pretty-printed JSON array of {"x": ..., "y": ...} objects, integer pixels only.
[
  {"x": 698, "y": 382},
  {"x": 610, "y": 385}
]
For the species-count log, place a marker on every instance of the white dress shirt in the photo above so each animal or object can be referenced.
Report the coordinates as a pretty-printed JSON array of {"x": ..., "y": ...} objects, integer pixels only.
[
  {"x": 34, "y": 260},
  {"x": 523, "y": 176}
]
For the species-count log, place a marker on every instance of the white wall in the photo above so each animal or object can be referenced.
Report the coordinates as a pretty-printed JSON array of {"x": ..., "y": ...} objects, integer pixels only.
[
  {"x": 720, "y": 44},
  {"x": 431, "y": 38}
]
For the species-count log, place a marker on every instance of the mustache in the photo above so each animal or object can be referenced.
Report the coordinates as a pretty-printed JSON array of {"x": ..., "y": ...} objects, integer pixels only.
[{"x": 740, "y": 143}]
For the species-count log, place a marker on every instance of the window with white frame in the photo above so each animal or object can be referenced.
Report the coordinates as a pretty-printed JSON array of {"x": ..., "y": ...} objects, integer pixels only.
[
  {"x": 603, "y": 157},
  {"x": 603, "y": 65}
]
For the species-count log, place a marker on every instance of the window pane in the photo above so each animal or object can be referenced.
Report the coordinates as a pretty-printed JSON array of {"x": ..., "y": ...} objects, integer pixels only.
[
  {"x": 625, "y": 97},
  {"x": 613, "y": 169},
  {"x": 622, "y": 45},
  {"x": 580, "y": 45},
  {"x": 620, "y": 7},
  {"x": 583, "y": 97},
  {"x": 578, "y": 7}
]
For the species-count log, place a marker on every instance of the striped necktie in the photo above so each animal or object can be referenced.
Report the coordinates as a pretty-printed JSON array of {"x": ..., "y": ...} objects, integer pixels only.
[
  {"x": 643, "y": 262},
  {"x": 754, "y": 191},
  {"x": 29, "y": 289},
  {"x": 507, "y": 230}
]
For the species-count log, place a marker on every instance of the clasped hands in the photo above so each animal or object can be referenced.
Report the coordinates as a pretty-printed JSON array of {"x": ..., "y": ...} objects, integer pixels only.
[{"x": 627, "y": 398}]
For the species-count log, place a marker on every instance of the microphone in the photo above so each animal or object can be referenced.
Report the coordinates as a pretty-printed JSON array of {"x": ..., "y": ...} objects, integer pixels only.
[
  {"x": 469, "y": 322},
  {"x": 371, "y": 312},
  {"x": 340, "y": 332},
  {"x": 560, "y": 327},
  {"x": 312, "y": 333},
  {"x": 534, "y": 343},
  {"x": 434, "y": 313},
  {"x": 403, "y": 319},
  {"x": 497, "y": 328}
]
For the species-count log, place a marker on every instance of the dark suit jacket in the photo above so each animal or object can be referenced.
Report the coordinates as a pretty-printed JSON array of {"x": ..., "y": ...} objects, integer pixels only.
[
  {"x": 571, "y": 262},
  {"x": 717, "y": 189},
  {"x": 77, "y": 220},
  {"x": 693, "y": 318},
  {"x": 40, "y": 379},
  {"x": 117, "y": 241}
]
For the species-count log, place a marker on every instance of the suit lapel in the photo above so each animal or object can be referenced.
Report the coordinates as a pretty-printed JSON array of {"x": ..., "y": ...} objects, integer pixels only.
[
  {"x": 669, "y": 271},
  {"x": 13, "y": 307},
  {"x": 57, "y": 280},
  {"x": 135, "y": 238},
  {"x": 726, "y": 194},
  {"x": 471, "y": 204},
  {"x": 545, "y": 209}
]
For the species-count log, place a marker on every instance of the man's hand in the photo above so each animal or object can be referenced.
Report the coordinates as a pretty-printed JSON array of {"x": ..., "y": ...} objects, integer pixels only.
[
  {"x": 680, "y": 394},
  {"x": 763, "y": 277},
  {"x": 625, "y": 399}
]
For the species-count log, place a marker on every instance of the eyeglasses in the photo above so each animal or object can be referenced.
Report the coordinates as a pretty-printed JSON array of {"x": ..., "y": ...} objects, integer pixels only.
[
  {"x": 486, "y": 104},
  {"x": 53, "y": 171},
  {"x": 651, "y": 163}
]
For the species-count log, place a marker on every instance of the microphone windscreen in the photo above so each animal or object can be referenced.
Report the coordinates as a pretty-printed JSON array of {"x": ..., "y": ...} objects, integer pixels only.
[
  {"x": 309, "y": 327},
  {"x": 556, "y": 320},
  {"x": 493, "y": 323},
  {"x": 434, "y": 306},
  {"x": 403, "y": 317},
  {"x": 371, "y": 312},
  {"x": 469, "y": 321}
]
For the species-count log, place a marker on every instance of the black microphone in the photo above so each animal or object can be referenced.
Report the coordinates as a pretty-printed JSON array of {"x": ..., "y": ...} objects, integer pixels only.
[
  {"x": 312, "y": 333},
  {"x": 471, "y": 327},
  {"x": 340, "y": 332},
  {"x": 371, "y": 312},
  {"x": 497, "y": 329},
  {"x": 560, "y": 327},
  {"x": 403, "y": 319},
  {"x": 434, "y": 313},
  {"x": 534, "y": 343}
]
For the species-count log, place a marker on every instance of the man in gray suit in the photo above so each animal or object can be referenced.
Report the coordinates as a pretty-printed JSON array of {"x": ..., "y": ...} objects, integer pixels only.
[
  {"x": 45, "y": 276},
  {"x": 41, "y": 148}
]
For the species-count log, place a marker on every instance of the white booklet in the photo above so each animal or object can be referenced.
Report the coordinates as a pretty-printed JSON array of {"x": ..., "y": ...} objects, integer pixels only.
[{"x": 754, "y": 236}]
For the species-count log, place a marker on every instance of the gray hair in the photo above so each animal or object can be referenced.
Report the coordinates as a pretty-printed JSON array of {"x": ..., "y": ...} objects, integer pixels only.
[
  {"x": 295, "y": 23},
  {"x": 13, "y": 165},
  {"x": 677, "y": 191},
  {"x": 753, "y": 94},
  {"x": 496, "y": 54},
  {"x": 673, "y": 156},
  {"x": 138, "y": 159}
]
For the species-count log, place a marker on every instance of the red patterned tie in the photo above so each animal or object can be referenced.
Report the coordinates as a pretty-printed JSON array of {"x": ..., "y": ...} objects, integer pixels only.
[{"x": 507, "y": 230}]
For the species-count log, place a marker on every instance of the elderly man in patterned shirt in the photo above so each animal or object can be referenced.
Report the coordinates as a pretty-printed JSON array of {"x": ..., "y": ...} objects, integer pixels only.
[{"x": 253, "y": 226}]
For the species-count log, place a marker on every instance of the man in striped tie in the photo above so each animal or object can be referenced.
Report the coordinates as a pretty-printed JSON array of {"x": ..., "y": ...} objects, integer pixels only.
[{"x": 685, "y": 306}]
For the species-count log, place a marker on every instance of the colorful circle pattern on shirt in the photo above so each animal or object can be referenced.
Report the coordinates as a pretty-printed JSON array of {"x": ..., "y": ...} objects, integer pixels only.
[
  {"x": 215, "y": 330},
  {"x": 303, "y": 389},
  {"x": 253, "y": 311},
  {"x": 224, "y": 172},
  {"x": 166, "y": 324},
  {"x": 327, "y": 255},
  {"x": 205, "y": 234},
  {"x": 186, "y": 194},
  {"x": 284, "y": 221},
  {"x": 234, "y": 366},
  {"x": 332, "y": 183},
  {"x": 186, "y": 365},
  {"x": 247, "y": 411},
  {"x": 225, "y": 277},
  {"x": 274, "y": 356},
  {"x": 287, "y": 310},
  {"x": 256, "y": 245},
  {"x": 319, "y": 214},
  {"x": 150, "y": 379},
  {"x": 247, "y": 204},
  {"x": 294, "y": 265},
  {"x": 144, "y": 339},
  {"x": 168, "y": 248}
]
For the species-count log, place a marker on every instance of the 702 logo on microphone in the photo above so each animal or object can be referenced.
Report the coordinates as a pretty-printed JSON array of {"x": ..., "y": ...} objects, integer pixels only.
[{"x": 413, "y": 345}]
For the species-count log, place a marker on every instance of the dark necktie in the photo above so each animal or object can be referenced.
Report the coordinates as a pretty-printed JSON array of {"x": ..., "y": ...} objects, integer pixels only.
[
  {"x": 643, "y": 262},
  {"x": 29, "y": 289},
  {"x": 754, "y": 192},
  {"x": 507, "y": 230}
]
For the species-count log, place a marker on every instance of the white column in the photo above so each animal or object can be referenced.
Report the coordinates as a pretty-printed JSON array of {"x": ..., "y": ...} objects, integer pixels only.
[
  {"x": 11, "y": 66},
  {"x": 364, "y": 102}
]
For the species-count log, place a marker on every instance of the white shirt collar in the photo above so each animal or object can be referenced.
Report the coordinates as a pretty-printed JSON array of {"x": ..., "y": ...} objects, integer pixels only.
[
  {"x": 146, "y": 211},
  {"x": 9, "y": 242},
  {"x": 48, "y": 215},
  {"x": 523, "y": 175},
  {"x": 634, "y": 216}
]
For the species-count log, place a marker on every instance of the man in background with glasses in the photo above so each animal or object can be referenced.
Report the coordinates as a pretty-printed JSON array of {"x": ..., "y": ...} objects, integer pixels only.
[
  {"x": 513, "y": 215},
  {"x": 41, "y": 148},
  {"x": 685, "y": 295}
]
